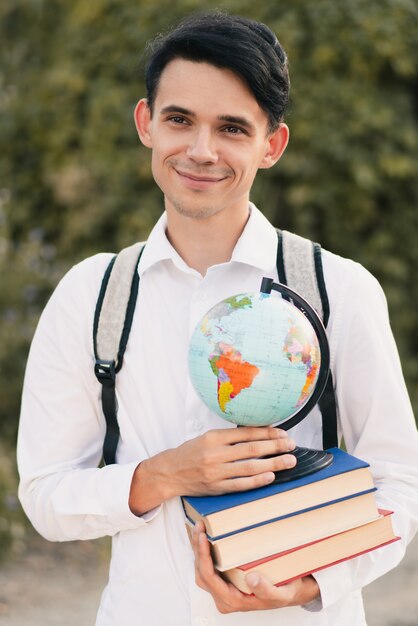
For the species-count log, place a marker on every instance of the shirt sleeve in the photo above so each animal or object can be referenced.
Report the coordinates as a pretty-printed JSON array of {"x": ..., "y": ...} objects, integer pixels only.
[
  {"x": 62, "y": 490},
  {"x": 377, "y": 424}
]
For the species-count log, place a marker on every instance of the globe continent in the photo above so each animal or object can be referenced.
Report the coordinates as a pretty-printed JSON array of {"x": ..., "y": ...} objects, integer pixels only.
[{"x": 254, "y": 359}]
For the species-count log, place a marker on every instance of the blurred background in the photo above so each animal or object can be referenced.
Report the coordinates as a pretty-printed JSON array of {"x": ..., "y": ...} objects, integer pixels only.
[{"x": 74, "y": 179}]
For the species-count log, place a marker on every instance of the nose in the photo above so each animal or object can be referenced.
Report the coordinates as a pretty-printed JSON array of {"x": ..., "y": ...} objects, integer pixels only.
[{"x": 202, "y": 148}]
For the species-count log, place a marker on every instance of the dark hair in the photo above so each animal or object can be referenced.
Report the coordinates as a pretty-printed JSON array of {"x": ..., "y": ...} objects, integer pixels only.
[{"x": 247, "y": 48}]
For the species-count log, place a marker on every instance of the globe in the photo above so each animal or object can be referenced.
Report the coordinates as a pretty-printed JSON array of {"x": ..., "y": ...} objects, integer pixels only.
[{"x": 255, "y": 359}]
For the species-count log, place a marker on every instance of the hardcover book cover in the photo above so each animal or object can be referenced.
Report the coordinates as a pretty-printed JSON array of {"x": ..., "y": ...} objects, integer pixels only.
[{"x": 346, "y": 476}]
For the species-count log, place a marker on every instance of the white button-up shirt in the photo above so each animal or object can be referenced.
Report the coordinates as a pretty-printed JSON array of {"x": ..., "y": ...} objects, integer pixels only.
[{"x": 62, "y": 427}]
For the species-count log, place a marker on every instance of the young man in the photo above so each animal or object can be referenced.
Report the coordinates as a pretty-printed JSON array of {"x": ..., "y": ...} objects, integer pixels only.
[{"x": 217, "y": 88}]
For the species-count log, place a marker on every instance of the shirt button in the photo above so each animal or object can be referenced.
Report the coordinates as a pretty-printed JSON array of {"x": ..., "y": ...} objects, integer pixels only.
[
  {"x": 203, "y": 621},
  {"x": 198, "y": 424},
  {"x": 201, "y": 296}
]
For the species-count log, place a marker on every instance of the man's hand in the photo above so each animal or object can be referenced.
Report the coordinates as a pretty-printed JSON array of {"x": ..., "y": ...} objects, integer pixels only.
[
  {"x": 229, "y": 599},
  {"x": 219, "y": 461}
]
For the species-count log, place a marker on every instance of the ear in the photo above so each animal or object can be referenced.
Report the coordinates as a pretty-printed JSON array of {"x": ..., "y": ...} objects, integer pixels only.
[
  {"x": 276, "y": 145},
  {"x": 142, "y": 116}
]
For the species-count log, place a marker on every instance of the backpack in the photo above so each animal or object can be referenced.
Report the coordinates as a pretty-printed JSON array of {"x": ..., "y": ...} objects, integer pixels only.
[{"x": 299, "y": 266}]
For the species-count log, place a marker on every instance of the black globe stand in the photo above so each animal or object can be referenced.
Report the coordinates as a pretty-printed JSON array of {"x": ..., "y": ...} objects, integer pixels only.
[{"x": 308, "y": 460}]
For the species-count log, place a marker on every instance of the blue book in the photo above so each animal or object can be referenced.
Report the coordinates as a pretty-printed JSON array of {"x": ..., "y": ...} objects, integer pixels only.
[{"x": 223, "y": 515}]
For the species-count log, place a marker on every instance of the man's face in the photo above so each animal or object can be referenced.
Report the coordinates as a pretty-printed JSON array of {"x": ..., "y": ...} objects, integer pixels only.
[{"x": 208, "y": 136}]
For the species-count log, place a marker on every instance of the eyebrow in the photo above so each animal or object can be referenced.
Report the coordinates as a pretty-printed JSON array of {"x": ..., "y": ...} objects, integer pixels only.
[
  {"x": 231, "y": 119},
  {"x": 236, "y": 119}
]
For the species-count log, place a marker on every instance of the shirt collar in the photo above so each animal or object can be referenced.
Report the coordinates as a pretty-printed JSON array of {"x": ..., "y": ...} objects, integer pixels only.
[
  {"x": 257, "y": 245},
  {"x": 158, "y": 249}
]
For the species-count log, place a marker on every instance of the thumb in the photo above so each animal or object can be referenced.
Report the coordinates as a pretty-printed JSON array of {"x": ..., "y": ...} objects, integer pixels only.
[
  {"x": 260, "y": 586},
  {"x": 263, "y": 589}
]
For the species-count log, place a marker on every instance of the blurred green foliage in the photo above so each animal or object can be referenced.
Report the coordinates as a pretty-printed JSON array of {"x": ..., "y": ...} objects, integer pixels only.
[
  {"x": 12, "y": 520},
  {"x": 74, "y": 180}
]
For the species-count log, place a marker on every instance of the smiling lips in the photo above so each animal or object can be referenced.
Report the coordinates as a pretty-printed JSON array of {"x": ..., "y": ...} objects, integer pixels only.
[
  {"x": 193, "y": 177},
  {"x": 194, "y": 181}
]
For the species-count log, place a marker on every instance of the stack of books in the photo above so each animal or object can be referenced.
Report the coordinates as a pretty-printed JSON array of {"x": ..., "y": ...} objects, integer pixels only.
[{"x": 289, "y": 530}]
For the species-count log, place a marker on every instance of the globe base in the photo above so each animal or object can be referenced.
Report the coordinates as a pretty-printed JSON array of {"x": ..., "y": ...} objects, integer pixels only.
[{"x": 308, "y": 462}]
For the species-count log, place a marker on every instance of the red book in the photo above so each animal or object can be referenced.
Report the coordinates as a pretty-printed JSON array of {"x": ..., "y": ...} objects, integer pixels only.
[{"x": 282, "y": 567}]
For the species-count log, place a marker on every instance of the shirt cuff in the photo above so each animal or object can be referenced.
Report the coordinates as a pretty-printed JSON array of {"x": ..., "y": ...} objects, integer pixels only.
[
  {"x": 117, "y": 486},
  {"x": 334, "y": 583},
  {"x": 314, "y": 605}
]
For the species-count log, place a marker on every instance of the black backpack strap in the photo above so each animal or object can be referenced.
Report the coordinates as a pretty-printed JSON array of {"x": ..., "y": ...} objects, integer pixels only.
[
  {"x": 327, "y": 402},
  {"x": 299, "y": 265},
  {"x": 112, "y": 323}
]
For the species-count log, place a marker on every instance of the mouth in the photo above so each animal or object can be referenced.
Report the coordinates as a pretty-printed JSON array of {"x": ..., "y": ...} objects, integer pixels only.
[{"x": 198, "y": 182}]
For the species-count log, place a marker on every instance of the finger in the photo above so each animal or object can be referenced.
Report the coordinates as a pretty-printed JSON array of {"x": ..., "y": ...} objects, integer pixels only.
[
  {"x": 255, "y": 449},
  {"x": 206, "y": 575},
  {"x": 245, "y": 483},
  {"x": 252, "y": 467},
  {"x": 198, "y": 529},
  {"x": 245, "y": 433},
  {"x": 226, "y": 596}
]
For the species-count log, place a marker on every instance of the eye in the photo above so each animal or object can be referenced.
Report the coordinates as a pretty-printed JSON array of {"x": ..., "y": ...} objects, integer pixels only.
[
  {"x": 177, "y": 119},
  {"x": 233, "y": 130}
]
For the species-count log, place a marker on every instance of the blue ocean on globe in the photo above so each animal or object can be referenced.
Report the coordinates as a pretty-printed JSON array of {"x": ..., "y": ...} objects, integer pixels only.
[{"x": 254, "y": 359}]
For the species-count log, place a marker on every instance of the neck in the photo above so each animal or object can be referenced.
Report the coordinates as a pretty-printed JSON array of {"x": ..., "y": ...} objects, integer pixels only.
[{"x": 205, "y": 242}]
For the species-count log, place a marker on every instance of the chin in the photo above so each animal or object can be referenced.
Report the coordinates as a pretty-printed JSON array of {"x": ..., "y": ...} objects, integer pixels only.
[{"x": 195, "y": 212}]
